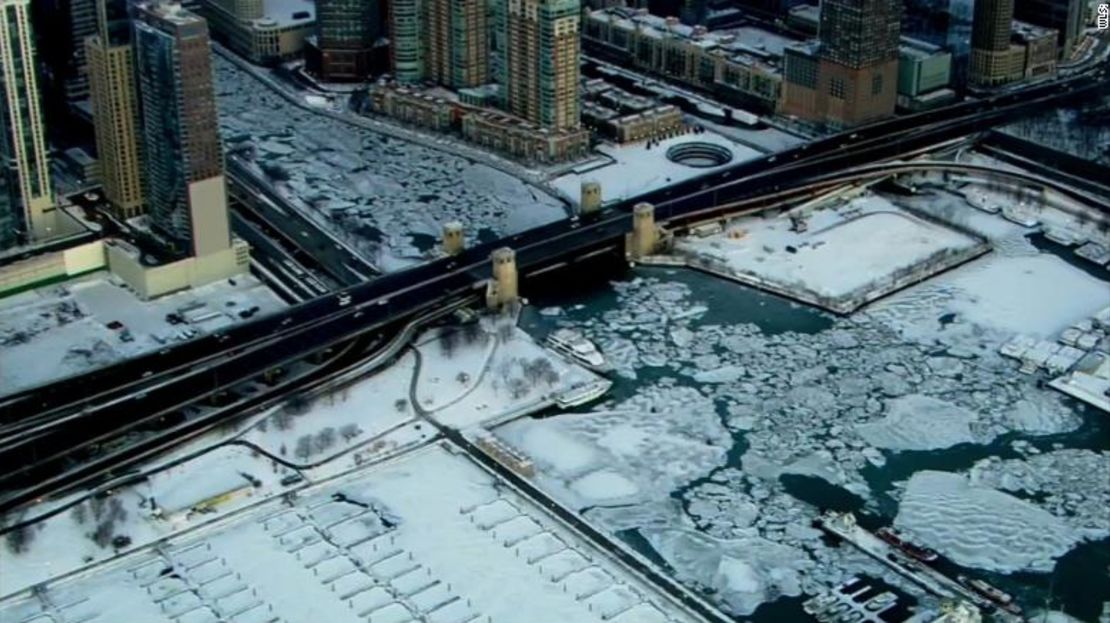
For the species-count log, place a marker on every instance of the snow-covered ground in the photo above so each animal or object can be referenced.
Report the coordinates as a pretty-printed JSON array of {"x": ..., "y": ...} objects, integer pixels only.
[
  {"x": 634, "y": 168},
  {"x": 59, "y": 330},
  {"x": 850, "y": 252},
  {"x": 479, "y": 375},
  {"x": 374, "y": 191},
  {"x": 428, "y": 536},
  {"x": 1016, "y": 289}
]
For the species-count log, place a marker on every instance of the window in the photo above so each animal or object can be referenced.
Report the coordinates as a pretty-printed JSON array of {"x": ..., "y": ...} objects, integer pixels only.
[
  {"x": 836, "y": 88},
  {"x": 876, "y": 84}
]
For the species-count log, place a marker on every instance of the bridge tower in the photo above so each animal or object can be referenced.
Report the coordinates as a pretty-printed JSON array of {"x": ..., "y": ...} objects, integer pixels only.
[
  {"x": 590, "y": 199},
  {"x": 453, "y": 241},
  {"x": 501, "y": 290},
  {"x": 644, "y": 238}
]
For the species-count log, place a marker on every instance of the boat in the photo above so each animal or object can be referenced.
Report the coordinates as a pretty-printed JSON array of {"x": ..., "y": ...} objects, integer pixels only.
[
  {"x": 893, "y": 537},
  {"x": 574, "y": 346},
  {"x": 581, "y": 394},
  {"x": 1000, "y": 597}
]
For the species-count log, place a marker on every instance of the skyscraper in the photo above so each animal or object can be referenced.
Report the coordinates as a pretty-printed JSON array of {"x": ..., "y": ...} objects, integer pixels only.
[
  {"x": 851, "y": 76},
  {"x": 62, "y": 28},
  {"x": 116, "y": 108},
  {"x": 1067, "y": 17},
  {"x": 539, "y": 71},
  {"x": 442, "y": 41},
  {"x": 992, "y": 60},
  {"x": 27, "y": 205},
  {"x": 457, "y": 42},
  {"x": 186, "y": 193},
  {"x": 946, "y": 23},
  {"x": 345, "y": 34}
]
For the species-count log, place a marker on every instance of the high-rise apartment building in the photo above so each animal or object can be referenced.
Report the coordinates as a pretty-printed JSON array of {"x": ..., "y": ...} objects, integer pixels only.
[
  {"x": 539, "y": 69},
  {"x": 62, "y": 28},
  {"x": 345, "y": 34},
  {"x": 442, "y": 41},
  {"x": 994, "y": 60},
  {"x": 27, "y": 205},
  {"x": 457, "y": 42},
  {"x": 186, "y": 193},
  {"x": 115, "y": 108},
  {"x": 1067, "y": 17},
  {"x": 946, "y": 23},
  {"x": 851, "y": 76}
]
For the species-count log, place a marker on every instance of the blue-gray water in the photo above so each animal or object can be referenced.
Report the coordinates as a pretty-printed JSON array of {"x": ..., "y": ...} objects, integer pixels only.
[{"x": 1080, "y": 582}]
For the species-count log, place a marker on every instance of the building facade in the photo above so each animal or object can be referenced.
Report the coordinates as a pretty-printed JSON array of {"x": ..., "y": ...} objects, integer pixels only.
[
  {"x": 851, "y": 76},
  {"x": 346, "y": 31},
  {"x": 115, "y": 107},
  {"x": 186, "y": 195},
  {"x": 442, "y": 41},
  {"x": 539, "y": 70},
  {"x": 263, "y": 38},
  {"x": 993, "y": 61},
  {"x": 456, "y": 40},
  {"x": 1067, "y": 17},
  {"x": 27, "y": 203},
  {"x": 63, "y": 27},
  {"x": 741, "y": 67},
  {"x": 946, "y": 23}
]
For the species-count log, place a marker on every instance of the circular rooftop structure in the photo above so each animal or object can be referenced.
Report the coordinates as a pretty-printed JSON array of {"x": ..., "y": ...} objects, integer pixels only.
[{"x": 699, "y": 154}]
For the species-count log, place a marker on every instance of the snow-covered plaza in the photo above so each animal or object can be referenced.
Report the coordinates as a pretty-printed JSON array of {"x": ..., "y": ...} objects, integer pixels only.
[{"x": 850, "y": 251}]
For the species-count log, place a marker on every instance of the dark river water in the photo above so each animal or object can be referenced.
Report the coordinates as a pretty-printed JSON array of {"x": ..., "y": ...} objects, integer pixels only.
[{"x": 1080, "y": 582}]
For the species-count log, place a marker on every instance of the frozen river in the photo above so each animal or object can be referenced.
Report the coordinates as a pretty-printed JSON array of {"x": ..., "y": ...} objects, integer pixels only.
[{"x": 737, "y": 416}]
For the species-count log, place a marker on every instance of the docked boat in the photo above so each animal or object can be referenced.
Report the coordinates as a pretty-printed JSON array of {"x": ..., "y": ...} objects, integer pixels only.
[
  {"x": 581, "y": 394},
  {"x": 894, "y": 538},
  {"x": 574, "y": 346},
  {"x": 1000, "y": 597}
]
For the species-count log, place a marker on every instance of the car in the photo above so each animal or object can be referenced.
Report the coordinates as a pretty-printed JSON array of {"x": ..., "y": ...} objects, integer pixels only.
[
  {"x": 115, "y": 325},
  {"x": 344, "y": 299}
]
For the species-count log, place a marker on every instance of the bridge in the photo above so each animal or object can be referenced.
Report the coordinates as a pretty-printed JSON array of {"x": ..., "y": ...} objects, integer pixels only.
[{"x": 43, "y": 429}]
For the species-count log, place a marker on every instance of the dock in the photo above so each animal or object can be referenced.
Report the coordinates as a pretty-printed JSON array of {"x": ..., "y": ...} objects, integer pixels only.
[{"x": 844, "y": 526}]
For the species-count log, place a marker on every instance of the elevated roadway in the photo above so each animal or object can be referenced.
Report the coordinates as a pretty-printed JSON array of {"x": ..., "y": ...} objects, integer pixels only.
[{"x": 872, "y": 143}]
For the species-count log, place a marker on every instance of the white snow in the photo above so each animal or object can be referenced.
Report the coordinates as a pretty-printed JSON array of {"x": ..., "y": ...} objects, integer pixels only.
[
  {"x": 839, "y": 257},
  {"x": 981, "y": 527},
  {"x": 414, "y": 542},
  {"x": 634, "y": 169},
  {"x": 61, "y": 330}
]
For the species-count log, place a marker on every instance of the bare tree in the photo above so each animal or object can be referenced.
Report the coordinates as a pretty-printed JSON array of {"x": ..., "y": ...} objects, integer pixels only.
[
  {"x": 401, "y": 405},
  {"x": 472, "y": 332},
  {"x": 19, "y": 539},
  {"x": 304, "y": 447},
  {"x": 463, "y": 378},
  {"x": 80, "y": 513},
  {"x": 448, "y": 340},
  {"x": 325, "y": 439},
  {"x": 350, "y": 431}
]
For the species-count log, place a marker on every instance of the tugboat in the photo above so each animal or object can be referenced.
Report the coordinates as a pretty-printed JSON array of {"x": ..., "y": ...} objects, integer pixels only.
[
  {"x": 1000, "y": 597},
  {"x": 893, "y": 537},
  {"x": 574, "y": 346}
]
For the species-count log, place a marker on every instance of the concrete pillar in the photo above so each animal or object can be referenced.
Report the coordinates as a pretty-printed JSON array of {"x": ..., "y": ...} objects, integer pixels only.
[
  {"x": 453, "y": 242},
  {"x": 644, "y": 238},
  {"x": 502, "y": 288},
  {"x": 590, "y": 199}
]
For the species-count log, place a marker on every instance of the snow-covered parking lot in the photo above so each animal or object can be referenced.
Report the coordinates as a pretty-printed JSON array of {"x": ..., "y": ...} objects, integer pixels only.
[{"x": 426, "y": 537}]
